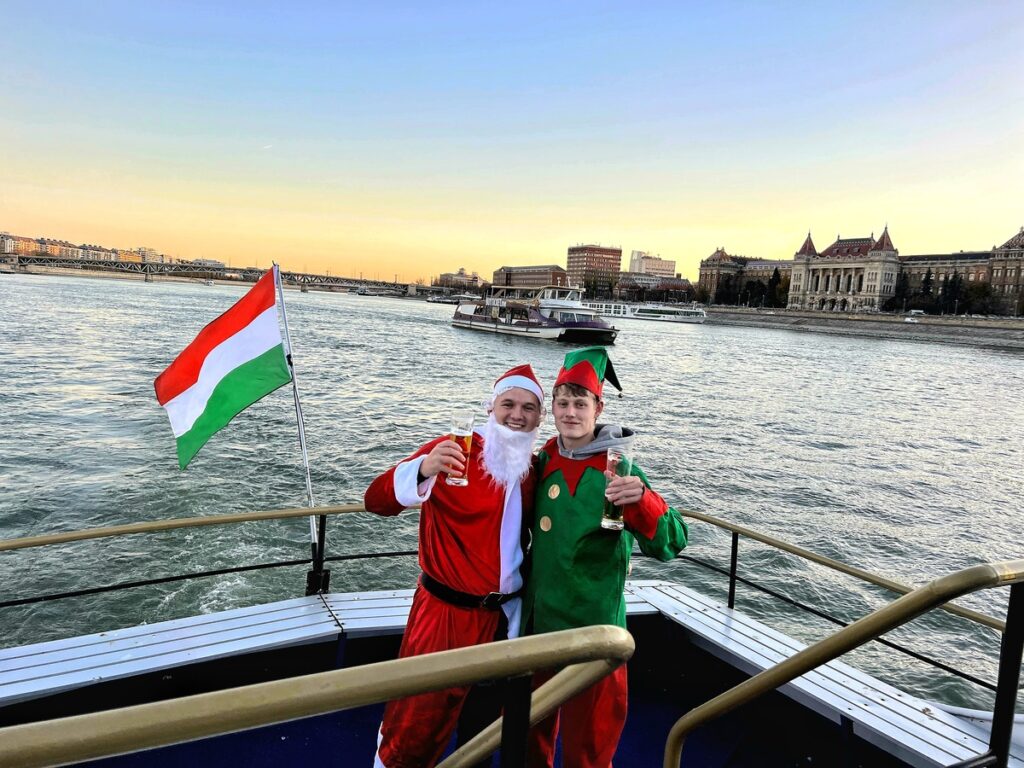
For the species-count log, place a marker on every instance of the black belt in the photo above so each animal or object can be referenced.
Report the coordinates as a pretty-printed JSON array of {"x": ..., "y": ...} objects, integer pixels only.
[{"x": 491, "y": 601}]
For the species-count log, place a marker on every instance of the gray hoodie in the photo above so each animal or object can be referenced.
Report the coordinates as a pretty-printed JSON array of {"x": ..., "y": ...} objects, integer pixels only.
[{"x": 606, "y": 436}]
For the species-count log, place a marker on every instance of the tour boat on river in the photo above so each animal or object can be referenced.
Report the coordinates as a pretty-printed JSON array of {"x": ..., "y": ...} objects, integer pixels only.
[
  {"x": 665, "y": 313},
  {"x": 550, "y": 312}
]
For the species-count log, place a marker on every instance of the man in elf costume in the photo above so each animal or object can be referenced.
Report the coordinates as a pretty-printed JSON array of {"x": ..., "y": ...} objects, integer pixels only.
[
  {"x": 579, "y": 569},
  {"x": 470, "y": 552}
]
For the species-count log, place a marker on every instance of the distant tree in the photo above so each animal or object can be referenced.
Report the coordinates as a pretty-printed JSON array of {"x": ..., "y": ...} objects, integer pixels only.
[
  {"x": 926, "y": 283},
  {"x": 727, "y": 291},
  {"x": 703, "y": 295},
  {"x": 772, "y": 299},
  {"x": 901, "y": 293},
  {"x": 754, "y": 293},
  {"x": 981, "y": 299},
  {"x": 951, "y": 294},
  {"x": 782, "y": 298}
]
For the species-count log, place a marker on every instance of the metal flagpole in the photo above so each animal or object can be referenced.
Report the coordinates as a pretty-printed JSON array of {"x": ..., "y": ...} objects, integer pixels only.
[{"x": 317, "y": 579}]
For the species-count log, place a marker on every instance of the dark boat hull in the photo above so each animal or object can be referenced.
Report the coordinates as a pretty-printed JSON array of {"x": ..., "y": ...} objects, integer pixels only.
[{"x": 668, "y": 676}]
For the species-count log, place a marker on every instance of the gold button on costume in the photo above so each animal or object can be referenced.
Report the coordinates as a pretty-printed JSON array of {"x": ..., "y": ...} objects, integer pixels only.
[
  {"x": 545, "y": 523},
  {"x": 553, "y": 492}
]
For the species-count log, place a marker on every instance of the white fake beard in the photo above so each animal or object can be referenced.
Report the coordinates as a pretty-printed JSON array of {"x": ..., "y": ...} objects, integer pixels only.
[{"x": 507, "y": 453}]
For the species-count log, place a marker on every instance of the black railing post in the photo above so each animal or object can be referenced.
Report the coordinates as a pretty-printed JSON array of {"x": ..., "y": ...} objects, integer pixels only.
[
  {"x": 318, "y": 580},
  {"x": 516, "y": 721},
  {"x": 732, "y": 568},
  {"x": 1009, "y": 677}
]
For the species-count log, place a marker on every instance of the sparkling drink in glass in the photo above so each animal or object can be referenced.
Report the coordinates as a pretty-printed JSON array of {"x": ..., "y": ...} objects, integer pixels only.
[
  {"x": 462, "y": 434},
  {"x": 620, "y": 464}
]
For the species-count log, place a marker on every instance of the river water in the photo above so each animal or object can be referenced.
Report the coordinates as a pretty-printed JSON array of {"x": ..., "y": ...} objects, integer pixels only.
[{"x": 900, "y": 457}]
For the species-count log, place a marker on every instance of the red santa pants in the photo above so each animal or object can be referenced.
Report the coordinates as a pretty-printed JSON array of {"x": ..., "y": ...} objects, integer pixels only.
[
  {"x": 417, "y": 729},
  {"x": 590, "y": 723}
]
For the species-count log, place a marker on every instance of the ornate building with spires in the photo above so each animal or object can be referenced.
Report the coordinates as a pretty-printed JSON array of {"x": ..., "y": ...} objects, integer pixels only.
[
  {"x": 860, "y": 273},
  {"x": 851, "y": 274}
]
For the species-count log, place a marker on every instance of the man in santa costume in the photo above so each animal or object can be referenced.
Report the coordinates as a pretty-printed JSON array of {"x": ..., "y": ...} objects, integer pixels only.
[
  {"x": 470, "y": 552},
  {"x": 578, "y": 568}
]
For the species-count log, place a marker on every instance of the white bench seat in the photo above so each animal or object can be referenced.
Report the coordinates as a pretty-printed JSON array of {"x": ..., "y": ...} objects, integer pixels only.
[
  {"x": 43, "y": 669},
  {"x": 911, "y": 728}
]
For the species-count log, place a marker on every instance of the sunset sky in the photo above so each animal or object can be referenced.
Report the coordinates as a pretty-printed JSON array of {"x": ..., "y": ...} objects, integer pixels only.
[{"x": 415, "y": 138}]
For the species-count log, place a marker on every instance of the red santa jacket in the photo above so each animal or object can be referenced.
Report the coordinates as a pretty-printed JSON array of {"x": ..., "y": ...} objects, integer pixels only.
[{"x": 470, "y": 536}]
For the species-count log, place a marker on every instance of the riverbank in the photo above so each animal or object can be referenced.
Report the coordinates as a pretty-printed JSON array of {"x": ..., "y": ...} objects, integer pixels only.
[{"x": 1003, "y": 333}]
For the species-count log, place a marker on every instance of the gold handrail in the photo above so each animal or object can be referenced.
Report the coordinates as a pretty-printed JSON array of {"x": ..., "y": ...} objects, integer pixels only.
[
  {"x": 876, "y": 623},
  {"x": 849, "y": 570},
  {"x": 243, "y": 517},
  {"x": 545, "y": 700},
  {"x": 153, "y": 526},
  {"x": 118, "y": 731}
]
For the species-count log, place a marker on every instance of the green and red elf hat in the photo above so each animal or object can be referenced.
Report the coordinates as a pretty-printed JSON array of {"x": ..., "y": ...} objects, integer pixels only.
[{"x": 589, "y": 367}]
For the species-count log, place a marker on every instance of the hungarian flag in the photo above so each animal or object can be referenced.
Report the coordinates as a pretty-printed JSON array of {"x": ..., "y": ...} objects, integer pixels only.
[{"x": 233, "y": 362}]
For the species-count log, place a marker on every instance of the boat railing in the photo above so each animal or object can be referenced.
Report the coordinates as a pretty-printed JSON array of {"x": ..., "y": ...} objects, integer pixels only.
[
  {"x": 732, "y": 572},
  {"x": 939, "y": 597},
  {"x": 318, "y": 577},
  {"x": 588, "y": 654},
  {"x": 880, "y": 581},
  {"x": 902, "y": 610}
]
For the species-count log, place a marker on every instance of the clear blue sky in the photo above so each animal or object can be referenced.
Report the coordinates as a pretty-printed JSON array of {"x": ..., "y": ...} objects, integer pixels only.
[{"x": 415, "y": 138}]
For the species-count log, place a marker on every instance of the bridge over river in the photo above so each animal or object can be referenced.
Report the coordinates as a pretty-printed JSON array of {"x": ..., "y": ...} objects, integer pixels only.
[{"x": 149, "y": 269}]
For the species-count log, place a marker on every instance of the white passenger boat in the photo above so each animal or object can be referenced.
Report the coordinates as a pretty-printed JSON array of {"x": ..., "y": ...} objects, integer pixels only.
[
  {"x": 666, "y": 313},
  {"x": 549, "y": 312}
]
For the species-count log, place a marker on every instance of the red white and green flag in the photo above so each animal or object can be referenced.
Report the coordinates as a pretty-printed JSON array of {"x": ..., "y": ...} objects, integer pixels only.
[{"x": 233, "y": 362}]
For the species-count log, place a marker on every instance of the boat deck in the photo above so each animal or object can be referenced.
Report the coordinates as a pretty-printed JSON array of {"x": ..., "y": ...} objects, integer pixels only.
[{"x": 893, "y": 720}]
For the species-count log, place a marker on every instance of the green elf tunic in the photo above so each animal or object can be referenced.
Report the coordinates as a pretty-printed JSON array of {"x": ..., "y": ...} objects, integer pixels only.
[{"x": 578, "y": 569}]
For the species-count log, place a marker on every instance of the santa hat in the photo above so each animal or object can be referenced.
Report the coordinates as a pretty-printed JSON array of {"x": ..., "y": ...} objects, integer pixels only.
[
  {"x": 589, "y": 368},
  {"x": 521, "y": 376}
]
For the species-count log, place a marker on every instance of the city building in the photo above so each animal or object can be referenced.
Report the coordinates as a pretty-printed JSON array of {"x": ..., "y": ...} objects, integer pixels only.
[
  {"x": 972, "y": 266},
  {"x": 861, "y": 273},
  {"x": 723, "y": 277},
  {"x": 1008, "y": 273},
  {"x": 763, "y": 269},
  {"x": 639, "y": 286},
  {"x": 643, "y": 263},
  {"x": 717, "y": 268},
  {"x": 24, "y": 246},
  {"x": 149, "y": 254},
  {"x": 631, "y": 280},
  {"x": 461, "y": 280},
  {"x": 98, "y": 253},
  {"x": 594, "y": 268},
  {"x": 851, "y": 274},
  {"x": 530, "y": 277}
]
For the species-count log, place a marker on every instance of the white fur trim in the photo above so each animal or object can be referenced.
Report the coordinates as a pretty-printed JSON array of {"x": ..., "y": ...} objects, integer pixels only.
[
  {"x": 512, "y": 554},
  {"x": 407, "y": 492},
  {"x": 377, "y": 762},
  {"x": 514, "y": 613},
  {"x": 523, "y": 382}
]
